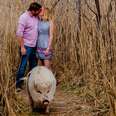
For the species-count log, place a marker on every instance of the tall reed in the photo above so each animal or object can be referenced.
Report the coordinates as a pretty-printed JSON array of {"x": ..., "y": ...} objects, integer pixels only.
[{"x": 84, "y": 48}]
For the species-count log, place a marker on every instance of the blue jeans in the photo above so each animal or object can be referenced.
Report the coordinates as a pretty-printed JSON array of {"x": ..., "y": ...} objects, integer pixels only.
[{"x": 29, "y": 56}]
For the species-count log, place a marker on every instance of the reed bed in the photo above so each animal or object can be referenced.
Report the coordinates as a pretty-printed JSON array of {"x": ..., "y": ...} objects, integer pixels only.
[{"x": 84, "y": 48}]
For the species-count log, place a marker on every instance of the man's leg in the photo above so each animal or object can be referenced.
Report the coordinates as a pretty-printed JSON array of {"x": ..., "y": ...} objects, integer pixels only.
[
  {"x": 21, "y": 71},
  {"x": 32, "y": 59},
  {"x": 22, "y": 67}
]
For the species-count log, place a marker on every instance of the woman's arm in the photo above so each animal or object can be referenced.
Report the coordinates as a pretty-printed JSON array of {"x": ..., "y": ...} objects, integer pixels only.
[{"x": 50, "y": 35}]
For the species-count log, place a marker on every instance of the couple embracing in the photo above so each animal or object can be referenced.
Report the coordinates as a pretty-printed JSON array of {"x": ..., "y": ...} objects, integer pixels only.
[{"x": 34, "y": 33}]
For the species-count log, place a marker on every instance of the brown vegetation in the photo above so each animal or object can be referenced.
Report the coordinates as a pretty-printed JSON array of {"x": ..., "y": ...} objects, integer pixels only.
[{"x": 84, "y": 51}]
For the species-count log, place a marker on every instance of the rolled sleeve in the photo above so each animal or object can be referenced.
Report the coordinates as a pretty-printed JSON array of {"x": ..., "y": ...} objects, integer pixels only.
[{"x": 21, "y": 26}]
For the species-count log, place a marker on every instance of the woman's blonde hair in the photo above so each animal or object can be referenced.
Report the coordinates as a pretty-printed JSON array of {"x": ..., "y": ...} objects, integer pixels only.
[{"x": 47, "y": 14}]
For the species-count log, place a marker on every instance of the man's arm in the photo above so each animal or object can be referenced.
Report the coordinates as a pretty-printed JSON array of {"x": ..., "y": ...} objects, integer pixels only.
[
  {"x": 20, "y": 41},
  {"x": 21, "y": 44},
  {"x": 19, "y": 34}
]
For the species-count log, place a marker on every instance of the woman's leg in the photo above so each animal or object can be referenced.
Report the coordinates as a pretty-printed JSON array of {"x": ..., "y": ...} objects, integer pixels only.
[
  {"x": 40, "y": 62},
  {"x": 47, "y": 63}
]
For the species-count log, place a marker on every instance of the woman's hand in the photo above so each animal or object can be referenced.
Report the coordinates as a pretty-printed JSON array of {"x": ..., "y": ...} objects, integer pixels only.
[
  {"x": 46, "y": 51},
  {"x": 23, "y": 50}
]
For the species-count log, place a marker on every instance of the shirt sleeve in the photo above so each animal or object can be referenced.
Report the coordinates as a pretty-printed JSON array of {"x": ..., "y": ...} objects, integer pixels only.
[{"x": 21, "y": 26}]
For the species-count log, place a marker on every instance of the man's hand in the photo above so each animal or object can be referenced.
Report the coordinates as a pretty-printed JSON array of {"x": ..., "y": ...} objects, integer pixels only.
[
  {"x": 21, "y": 44},
  {"x": 23, "y": 50}
]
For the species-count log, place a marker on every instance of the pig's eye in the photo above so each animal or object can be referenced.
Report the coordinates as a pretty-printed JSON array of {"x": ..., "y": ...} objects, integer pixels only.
[{"x": 39, "y": 92}]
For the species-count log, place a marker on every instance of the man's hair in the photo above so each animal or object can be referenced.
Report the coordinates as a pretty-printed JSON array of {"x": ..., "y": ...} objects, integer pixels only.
[{"x": 34, "y": 6}]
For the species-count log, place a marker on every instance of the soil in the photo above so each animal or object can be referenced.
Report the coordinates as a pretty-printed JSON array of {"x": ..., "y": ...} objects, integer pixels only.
[{"x": 64, "y": 104}]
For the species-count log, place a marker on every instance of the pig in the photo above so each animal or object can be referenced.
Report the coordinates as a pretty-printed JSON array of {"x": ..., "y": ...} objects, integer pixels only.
[{"x": 41, "y": 87}]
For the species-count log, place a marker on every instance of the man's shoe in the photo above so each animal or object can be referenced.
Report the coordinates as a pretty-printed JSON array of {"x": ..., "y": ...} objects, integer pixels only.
[
  {"x": 18, "y": 89},
  {"x": 20, "y": 85}
]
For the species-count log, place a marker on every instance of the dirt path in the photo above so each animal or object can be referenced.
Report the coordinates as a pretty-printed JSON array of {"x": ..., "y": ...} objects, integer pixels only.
[{"x": 64, "y": 104}]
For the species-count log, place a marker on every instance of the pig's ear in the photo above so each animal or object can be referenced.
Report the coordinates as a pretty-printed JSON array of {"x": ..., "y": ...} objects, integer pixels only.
[
  {"x": 49, "y": 88},
  {"x": 36, "y": 88}
]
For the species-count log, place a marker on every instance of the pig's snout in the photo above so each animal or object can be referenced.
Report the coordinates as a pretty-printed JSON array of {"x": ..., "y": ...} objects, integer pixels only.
[{"x": 45, "y": 102}]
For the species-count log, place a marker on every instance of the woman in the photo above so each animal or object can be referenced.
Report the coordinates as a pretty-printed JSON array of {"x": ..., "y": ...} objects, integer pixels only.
[{"x": 45, "y": 36}]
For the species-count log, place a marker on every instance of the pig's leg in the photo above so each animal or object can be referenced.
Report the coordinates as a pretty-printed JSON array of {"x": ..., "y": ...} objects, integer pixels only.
[
  {"x": 47, "y": 109},
  {"x": 31, "y": 101},
  {"x": 29, "y": 96},
  {"x": 52, "y": 91}
]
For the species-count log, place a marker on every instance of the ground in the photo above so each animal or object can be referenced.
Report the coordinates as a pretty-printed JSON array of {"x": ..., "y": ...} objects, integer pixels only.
[{"x": 64, "y": 104}]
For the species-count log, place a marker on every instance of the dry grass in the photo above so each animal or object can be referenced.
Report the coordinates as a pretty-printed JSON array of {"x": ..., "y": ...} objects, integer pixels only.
[{"x": 84, "y": 51}]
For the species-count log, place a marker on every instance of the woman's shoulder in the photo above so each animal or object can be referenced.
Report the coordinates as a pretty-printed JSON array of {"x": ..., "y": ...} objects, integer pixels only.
[
  {"x": 43, "y": 21},
  {"x": 48, "y": 22}
]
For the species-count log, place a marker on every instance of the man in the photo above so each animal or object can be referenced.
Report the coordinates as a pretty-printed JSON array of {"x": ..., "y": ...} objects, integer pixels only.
[{"x": 27, "y": 37}]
